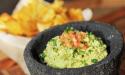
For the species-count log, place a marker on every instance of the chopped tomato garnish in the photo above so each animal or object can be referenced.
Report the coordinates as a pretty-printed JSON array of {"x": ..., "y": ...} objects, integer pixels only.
[
  {"x": 85, "y": 47},
  {"x": 73, "y": 39}
]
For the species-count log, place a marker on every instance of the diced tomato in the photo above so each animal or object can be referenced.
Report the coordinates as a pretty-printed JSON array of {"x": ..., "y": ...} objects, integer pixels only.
[
  {"x": 85, "y": 47},
  {"x": 72, "y": 39}
]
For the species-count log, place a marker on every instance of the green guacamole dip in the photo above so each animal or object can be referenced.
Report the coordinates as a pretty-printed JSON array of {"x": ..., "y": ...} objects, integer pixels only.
[{"x": 74, "y": 49}]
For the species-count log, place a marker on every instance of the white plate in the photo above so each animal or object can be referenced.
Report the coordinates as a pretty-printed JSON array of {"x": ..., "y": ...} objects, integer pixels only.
[{"x": 13, "y": 46}]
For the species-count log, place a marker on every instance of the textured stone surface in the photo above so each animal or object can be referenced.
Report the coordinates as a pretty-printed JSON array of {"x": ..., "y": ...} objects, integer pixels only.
[{"x": 108, "y": 66}]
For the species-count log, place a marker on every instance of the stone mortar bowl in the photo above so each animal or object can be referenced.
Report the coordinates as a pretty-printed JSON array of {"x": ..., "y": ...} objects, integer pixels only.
[{"x": 108, "y": 66}]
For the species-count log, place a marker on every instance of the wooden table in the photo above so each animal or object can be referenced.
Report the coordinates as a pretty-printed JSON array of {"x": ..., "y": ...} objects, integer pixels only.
[{"x": 9, "y": 67}]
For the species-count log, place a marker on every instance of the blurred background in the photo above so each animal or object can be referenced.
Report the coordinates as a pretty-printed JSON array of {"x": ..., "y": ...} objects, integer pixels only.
[{"x": 108, "y": 11}]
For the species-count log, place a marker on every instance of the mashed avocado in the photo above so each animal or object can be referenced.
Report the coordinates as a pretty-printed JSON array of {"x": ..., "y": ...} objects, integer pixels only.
[{"x": 74, "y": 49}]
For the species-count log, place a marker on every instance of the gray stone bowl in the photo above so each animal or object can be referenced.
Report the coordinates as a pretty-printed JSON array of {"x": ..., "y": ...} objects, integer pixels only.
[{"x": 108, "y": 66}]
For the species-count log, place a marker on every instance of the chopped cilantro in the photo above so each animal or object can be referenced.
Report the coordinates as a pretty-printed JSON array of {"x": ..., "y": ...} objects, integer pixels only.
[
  {"x": 90, "y": 51},
  {"x": 81, "y": 52},
  {"x": 68, "y": 29},
  {"x": 54, "y": 42},
  {"x": 90, "y": 33},
  {"x": 94, "y": 60},
  {"x": 42, "y": 55},
  {"x": 84, "y": 62}
]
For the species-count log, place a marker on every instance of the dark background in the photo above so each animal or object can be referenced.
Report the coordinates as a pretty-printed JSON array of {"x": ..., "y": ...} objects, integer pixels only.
[{"x": 7, "y": 5}]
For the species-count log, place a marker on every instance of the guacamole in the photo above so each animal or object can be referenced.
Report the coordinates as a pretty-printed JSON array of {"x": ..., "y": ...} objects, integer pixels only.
[{"x": 74, "y": 49}]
